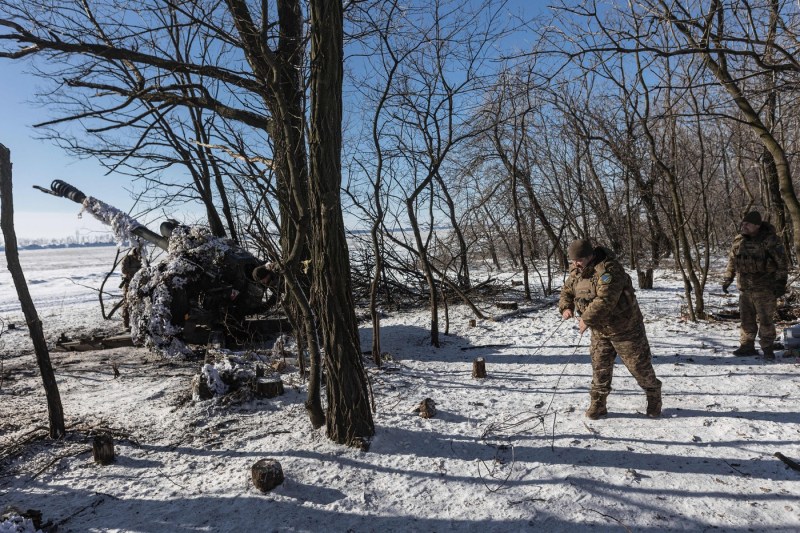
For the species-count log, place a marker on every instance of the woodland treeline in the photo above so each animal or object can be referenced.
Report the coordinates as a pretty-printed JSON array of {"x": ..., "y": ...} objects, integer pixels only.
[{"x": 489, "y": 132}]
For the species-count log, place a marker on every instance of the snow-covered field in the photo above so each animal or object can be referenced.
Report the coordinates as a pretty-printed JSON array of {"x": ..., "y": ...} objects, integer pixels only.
[{"x": 510, "y": 452}]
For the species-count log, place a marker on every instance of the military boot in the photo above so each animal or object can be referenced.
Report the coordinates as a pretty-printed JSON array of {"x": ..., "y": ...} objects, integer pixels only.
[
  {"x": 597, "y": 408},
  {"x": 769, "y": 353},
  {"x": 746, "y": 350},
  {"x": 654, "y": 404}
]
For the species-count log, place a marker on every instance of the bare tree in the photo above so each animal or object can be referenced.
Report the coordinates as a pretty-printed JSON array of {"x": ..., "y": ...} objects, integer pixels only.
[
  {"x": 514, "y": 139},
  {"x": 54, "y": 408}
]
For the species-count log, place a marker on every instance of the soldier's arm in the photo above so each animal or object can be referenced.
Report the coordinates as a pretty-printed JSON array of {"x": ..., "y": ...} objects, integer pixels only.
[
  {"x": 778, "y": 254},
  {"x": 567, "y": 298},
  {"x": 730, "y": 270},
  {"x": 609, "y": 289}
]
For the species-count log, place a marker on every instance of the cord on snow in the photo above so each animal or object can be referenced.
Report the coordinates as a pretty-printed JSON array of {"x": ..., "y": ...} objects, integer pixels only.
[{"x": 496, "y": 428}]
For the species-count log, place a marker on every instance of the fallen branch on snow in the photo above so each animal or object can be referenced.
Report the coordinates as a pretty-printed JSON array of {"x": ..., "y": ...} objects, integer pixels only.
[
  {"x": 486, "y": 346},
  {"x": 791, "y": 464}
]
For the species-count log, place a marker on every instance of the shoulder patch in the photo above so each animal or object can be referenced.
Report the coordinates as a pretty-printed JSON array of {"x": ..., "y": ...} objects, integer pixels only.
[{"x": 605, "y": 278}]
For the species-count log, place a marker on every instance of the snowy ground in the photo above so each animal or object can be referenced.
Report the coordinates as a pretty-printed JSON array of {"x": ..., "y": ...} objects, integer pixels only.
[{"x": 511, "y": 452}]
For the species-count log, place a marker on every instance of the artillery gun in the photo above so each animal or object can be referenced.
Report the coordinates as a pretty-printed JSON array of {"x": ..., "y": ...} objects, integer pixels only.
[{"x": 201, "y": 290}]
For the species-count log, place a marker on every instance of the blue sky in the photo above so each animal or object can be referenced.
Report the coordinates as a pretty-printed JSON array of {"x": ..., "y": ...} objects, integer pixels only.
[{"x": 37, "y": 162}]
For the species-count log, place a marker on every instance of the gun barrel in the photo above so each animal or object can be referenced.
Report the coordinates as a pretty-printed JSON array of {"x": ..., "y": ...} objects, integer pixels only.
[
  {"x": 151, "y": 236},
  {"x": 122, "y": 224},
  {"x": 65, "y": 190}
]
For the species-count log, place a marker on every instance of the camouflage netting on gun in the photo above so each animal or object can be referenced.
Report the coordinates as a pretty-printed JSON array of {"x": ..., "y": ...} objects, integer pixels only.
[
  {"x": 121, "y": 223},
  {"x": 158, "y": 292}
]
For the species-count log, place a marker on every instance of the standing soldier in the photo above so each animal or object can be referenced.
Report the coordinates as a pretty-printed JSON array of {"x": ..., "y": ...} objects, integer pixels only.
[
  {"x": 759, "y": 258},
  {"x": 131, "y": 264},
  {"x": 601, "y": 293}
]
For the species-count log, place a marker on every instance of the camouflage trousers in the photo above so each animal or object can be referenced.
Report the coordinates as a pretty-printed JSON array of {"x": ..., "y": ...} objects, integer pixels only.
[
  {"x": 126, "y": 313},
  {"x": 757, "y": 310},
  {"x": 634, "y": 350}
]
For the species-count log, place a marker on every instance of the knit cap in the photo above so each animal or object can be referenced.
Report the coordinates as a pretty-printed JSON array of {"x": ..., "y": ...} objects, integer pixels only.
[
  {"x": 580, "y": 248},
  {"x": 753, "y": 217}
]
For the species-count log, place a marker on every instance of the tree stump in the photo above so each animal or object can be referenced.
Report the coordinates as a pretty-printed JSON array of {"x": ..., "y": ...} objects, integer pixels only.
[
  {"x": 507, "y": 305},
  {"x": 200, "y": 388},
  {"x": 268, "y": 387},
  {"x": 479, "y": 368},
  {"x": 427, "y": 409},
  {"x": 472, "y": 322},
  {"x": 645, "y": 278},
  {"x": 35, "y": 516},
  {"x": 103, "y": 449},
  {"x": 267, "y": 474}
]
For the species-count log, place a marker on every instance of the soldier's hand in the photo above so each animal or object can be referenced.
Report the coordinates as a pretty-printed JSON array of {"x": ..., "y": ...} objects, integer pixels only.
[
  {"x": 567, "y": 314},
  {"x": 582, "y": 327},
  {"x": 725, "y": 285}
]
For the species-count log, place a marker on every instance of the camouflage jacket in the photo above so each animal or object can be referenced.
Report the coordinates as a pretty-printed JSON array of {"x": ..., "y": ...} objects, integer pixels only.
[
  {"x": 602, "y": 293},
  {"x": 759, "y": 260}
]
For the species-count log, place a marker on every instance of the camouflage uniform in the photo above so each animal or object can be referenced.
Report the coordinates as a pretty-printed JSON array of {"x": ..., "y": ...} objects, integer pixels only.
[
  {"x": 131, "y": 264},
  {"x": 602, "y": 293},
  {"x": 761, "y": 263}
]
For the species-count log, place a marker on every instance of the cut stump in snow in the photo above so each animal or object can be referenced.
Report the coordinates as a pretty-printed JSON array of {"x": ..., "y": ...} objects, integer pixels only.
[
  {"x": 479, "y": 368},
  {"x": 472, "y": 322},
  {"x": 267, "y": 474},
  {"x": 645, "y": 278},
  {"x": 507, "y": 305},
  {"x": 200, "y": 388},
  {"x": 103, "y": 449},
  {"x": 427, "y": 409},
  {"x": 268, "y": 387}
]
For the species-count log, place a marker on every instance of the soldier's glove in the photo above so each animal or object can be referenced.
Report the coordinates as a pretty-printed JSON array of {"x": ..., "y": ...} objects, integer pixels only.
[{"x": 726, "y": 284}]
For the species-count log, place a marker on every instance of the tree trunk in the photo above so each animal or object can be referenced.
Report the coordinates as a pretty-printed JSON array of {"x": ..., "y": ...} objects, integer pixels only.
[
  {"x": 645, "y": 278},
  {"x": 54, "y": 409},
  {"x": 313, "y": 402},
  {"x": 349, "y": 418},
  {"x": 462, "y": 270},
  {"x": 520, "y": 240},
  {"x": 683, "y": 251}
]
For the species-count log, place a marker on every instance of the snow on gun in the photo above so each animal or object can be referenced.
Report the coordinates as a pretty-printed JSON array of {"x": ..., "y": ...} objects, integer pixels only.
[{"x": 203, "y": 285}]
